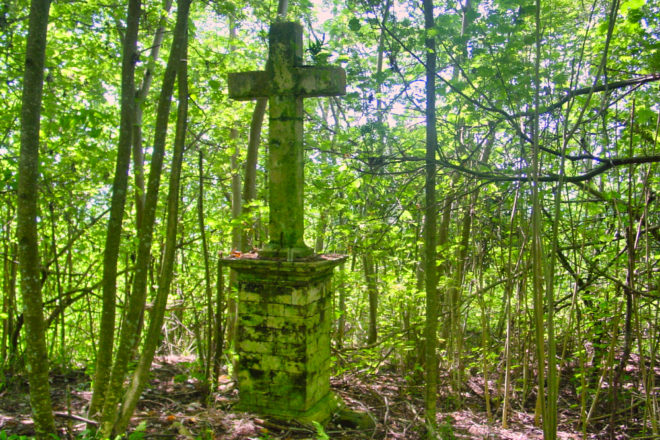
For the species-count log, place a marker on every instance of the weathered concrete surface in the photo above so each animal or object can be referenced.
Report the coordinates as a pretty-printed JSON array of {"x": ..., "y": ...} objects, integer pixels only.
[
  {"x": 286, "y": 82},
  {"x": 283, "y": 337}
]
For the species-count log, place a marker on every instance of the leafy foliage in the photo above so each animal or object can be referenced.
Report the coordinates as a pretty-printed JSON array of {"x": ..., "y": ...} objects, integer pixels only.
[{"x": 597, "y": 104}]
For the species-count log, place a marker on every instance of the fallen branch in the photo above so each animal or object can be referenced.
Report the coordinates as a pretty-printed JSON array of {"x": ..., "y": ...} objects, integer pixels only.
[
  {"x": 616, "y": 413},
  {"x": 75, "y": 417}
]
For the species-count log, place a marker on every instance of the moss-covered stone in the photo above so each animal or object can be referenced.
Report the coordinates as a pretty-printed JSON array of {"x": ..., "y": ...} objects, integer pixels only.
[
  {"x": 284, "y": 303},
  {"x": 286, "y": 82},
  {"x": 283, "y": 337}
]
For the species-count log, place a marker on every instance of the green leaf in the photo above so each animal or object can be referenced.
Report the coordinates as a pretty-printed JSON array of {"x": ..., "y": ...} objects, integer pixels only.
[
  {"x": 635, "y": 15},
  {"x": 654, "y": 62},
  {"x": 320, "y": 432},
  {"x": 354, "y": 24},
  {"x": 632, "y": 4}
]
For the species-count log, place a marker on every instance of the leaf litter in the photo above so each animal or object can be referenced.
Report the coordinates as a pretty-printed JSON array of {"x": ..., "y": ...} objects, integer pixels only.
[{"x": 176, "y": 405}]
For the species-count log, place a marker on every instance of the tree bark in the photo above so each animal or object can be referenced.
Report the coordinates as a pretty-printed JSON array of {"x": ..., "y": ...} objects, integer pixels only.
[
  {"x": 129, "y": 335},
  {"x": 456, "y": 283},
  {"x": 341, "y": 321},
  {"x": 58, "y": 281},
  {"x": 372, "y": 290},
  {"x": 537, "y": 245},
  {"x": 141, "y": 374},
  {"x": 430, "y": 224},
  {"x": 27, "y": 234},
  {"x": 207, "y": 265},
  {"x": 140, "y": 98},
  {"x": 321, "y": 226},
  {"x": 219, "y": 328},
  {"x": 117, "y": 205},
  {"x": 250, "y": 179},
  {"x": 236, "y": 203},
  {"x": 7, "y": 350},
  {"x": 451, "y": 330}
]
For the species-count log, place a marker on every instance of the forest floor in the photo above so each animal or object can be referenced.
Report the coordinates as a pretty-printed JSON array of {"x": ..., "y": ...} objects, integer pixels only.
[{"x": 174, "y": 407}]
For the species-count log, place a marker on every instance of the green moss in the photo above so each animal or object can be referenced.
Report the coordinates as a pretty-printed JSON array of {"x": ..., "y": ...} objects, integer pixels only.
[{"x": 284, "y": 337}]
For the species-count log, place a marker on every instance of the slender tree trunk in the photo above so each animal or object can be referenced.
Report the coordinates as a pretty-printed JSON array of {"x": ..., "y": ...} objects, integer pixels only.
[
  {"x": 58, "y": 281},
  {"x": 254, "y": 139},
  {"x": 11, "y": 301},
  {"x": 117, "y": 204},
  {"x": 27, "y": 233},
  {"x": 219, "y": 328},
  {"x": 236, "y": 205},
  {"x": 485, "y": 344},
  {"x": 456, "y": 287},
  {"x": 207, "y": 266},
  {"x": 320, "y": 232},
  {"x": 367, "y": 258},
  {"x": 451, "y": 330},
  {"x": 140, "y": 98},
  {"x": 240, "y": 238},
  {"x": 372, "y": 290},
  {"x": 431, "y": 326},
  {"x": 646, "y": 369},
  {"x": 508, "y": 315},
  {"x": 8, "y": 296},
  {"x": 250, "y": 181},
  {"x": 237, "y": 243},
  {"x": 632, "y": 237},
  {"x": 5, "y": 310},
  {"x": 537, "y": 245},
  {"x": 341, "y": 321},
  {"x": 135, "y": 304},
  {"x": 152, "y": 340}
]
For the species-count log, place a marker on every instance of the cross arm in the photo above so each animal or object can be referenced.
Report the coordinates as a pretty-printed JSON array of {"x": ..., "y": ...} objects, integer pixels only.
[
  {"x": 320, "y": 81},
  {"x": 249, "y": 85},
  {"x": 308, "y": 81}
]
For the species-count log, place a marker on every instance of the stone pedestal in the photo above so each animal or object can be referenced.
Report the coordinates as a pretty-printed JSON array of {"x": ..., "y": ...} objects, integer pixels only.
[{"x": 283, "y": 336}]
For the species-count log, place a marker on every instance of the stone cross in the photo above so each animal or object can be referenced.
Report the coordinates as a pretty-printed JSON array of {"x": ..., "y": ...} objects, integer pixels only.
[{"x": 286, "y": 82}]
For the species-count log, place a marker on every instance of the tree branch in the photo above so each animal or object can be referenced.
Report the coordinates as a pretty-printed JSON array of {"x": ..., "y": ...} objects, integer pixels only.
[{"x": 605, "y": 165}]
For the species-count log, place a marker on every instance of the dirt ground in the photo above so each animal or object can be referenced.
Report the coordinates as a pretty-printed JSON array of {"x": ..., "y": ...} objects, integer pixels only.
[{"x": 176, "y": 406}]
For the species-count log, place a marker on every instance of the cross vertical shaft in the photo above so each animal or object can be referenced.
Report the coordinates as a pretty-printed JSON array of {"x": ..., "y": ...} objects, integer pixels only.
[
  {"x": 285, "y": 138},
  {"x": 286, "y": 175}
]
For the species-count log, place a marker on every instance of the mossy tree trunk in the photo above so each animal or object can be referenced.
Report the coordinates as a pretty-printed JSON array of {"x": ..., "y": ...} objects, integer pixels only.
[
  {"x": 117, "y": 205},
  {"x": 372, "y": 291},
  {"x": 430, "y": 225},
  {"x": 207, "y": 264},
  {"x": 129, "y": 333},
  {"x": 141, "y": 374},
  {"x": 27, "y": 234},
  {"x": 140, "y": 97},
  {"x": 218, "y": 326},
  {"x": 7, "y": 349}
]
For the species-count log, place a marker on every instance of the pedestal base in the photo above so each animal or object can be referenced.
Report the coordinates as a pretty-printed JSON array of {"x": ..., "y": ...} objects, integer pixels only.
[
  {"x": 283, "y": 336},
  {"x": 321, "y": 411}
]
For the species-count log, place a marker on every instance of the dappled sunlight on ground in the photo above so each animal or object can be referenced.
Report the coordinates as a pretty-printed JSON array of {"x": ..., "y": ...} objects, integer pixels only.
[{"x": 177, "y": 405}]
